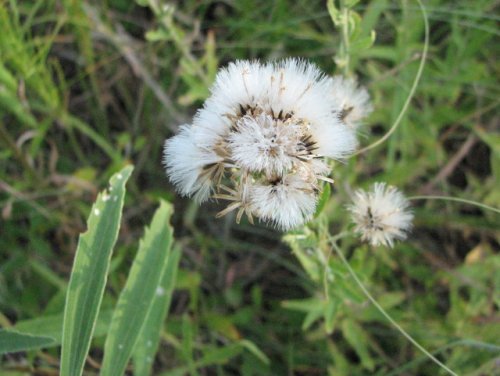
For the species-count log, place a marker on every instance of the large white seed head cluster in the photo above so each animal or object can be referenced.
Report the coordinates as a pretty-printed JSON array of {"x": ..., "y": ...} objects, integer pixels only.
[
  {"x": 381, "y": 215},
  {"x": 261, "y": 139}
]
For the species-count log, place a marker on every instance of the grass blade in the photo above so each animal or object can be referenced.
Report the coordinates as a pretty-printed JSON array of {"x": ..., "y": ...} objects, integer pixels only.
[
  {"x": 138, "y": 295},
  {"x": 89, "y": 274},
  {"x": 149, "y": 339},
  {"x": 11, "y": 341},
  {"x": 51, "y": 326}
]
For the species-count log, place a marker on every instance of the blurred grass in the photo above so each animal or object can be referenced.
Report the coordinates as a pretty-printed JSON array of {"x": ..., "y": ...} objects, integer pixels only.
[{"x": 86, "y": 87}]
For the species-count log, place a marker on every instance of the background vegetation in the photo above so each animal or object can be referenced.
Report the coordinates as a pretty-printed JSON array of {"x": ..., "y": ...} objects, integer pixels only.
[{"x": 87, "y": 87}]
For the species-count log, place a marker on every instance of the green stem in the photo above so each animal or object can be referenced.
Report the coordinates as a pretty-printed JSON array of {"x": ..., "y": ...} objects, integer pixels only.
[
  {"x": 413, "y": 88},
  {"x": 456, "y": 199},
  {"x": 344, "y": 48},
  {"x": 384, "y": 313}
]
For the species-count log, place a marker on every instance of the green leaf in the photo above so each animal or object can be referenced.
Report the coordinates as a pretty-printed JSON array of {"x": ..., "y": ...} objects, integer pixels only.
[
  {"x": 211, "y": 356},
  {"x": 158, "y": 35},
  {"x": 358, "y": 339},
  {"x": 311, "y": 317},
  {"x": 11, "y": 341},
  {"x": 304, "y": 305},
  {"x": 252, "y": 348},
  {"x": 149, "y": 339},
  {"x": 334, "y": 12},
  {"x": 7, "y": 79},
  {"x": 89, "y": 274},
  {"x": 48, "y": 275},
  {"x": 325, "y": 196},
  {"x": 187, "y": 343},
  {"x": 313, "y": 307},
  {"x": 350, "y": 3},
  {"x": 222, "y": 324},
  {"x": 304, "y": 247},
  {"x": 139, "y": 293},
  {"x": 363, "y": 43},
  {"x": 330, "y": 312},
  {"x": 348, "y": 291},
  {"x": 220, "y": 355},
  {"x": 9, "y": 102},
  {"x": 371, "y": 15},
  {"x": 51, "y": 326},
  {"x": 210, "y": 56},
  {"x": 354, "y": 20}
]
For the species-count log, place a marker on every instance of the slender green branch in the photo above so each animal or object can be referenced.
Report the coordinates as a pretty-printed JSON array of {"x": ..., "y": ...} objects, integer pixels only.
[
  {"x": 413, "y": 88},
  {"x": 384, "y": 313},
  {"x": 456, "y": 199}
]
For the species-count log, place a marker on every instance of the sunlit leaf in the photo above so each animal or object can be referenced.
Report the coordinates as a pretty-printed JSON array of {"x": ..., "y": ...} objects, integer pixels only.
[
  {"x": 149, "y": 338},
  {"x": 89, "y": 274},
  {"x": 138, "y": 296}
]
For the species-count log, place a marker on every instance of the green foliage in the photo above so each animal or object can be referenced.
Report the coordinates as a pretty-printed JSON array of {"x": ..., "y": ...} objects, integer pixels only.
[
  {"x": 142, "y": 289},
  {"x": 149, "y": 339},
  {"x": 356, "y": 35},
  {"x": 88, "y": 87},
  {"x": 89, "y": 274},
  {"x": 51, "y": 326},
  {"x": 141, "y": 308},
  {"x": 12, "y": 341}
]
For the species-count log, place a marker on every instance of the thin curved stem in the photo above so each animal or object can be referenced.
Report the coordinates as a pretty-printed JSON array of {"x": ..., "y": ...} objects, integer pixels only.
[
  {"x": 413, "y": 88},
  {"x": 384, "y": 313},
  {"x": 456, "y": 199}
]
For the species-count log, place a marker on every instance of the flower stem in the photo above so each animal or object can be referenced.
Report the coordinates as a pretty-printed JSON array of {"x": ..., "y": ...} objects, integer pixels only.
[
  {"x": 456, "y": 199},
  {"x": 412, "y": 90},
  {"x": 384, "y": 313}
]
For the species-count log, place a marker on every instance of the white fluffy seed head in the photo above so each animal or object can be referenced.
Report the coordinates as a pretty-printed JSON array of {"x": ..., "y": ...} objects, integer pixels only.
[
  {"x": 260, "y": 141},
  {"x": 292, "y": 87},
  {"x": 352, "y": 101},
  {"x": 381, "y": 215},
  {"x": 286, "y": 204},
  {"x": 187, "y": 164},
  {"x": 263, "y": 144},
  {"x": 334, "y": 140}
]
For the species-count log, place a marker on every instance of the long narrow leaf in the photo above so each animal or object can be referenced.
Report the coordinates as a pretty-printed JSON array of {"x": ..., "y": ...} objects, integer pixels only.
[
  {"x": 138, "y": 295},
  {"x": 51, "y": 326},
  {"x": 89, "y": 274},
  {"x": 149, "y": 339},
  {"x": 11, "y": 341}
]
